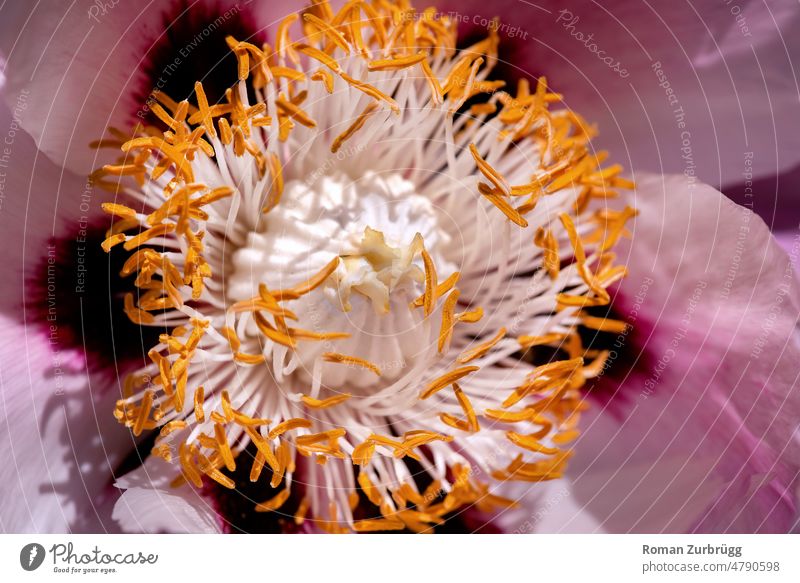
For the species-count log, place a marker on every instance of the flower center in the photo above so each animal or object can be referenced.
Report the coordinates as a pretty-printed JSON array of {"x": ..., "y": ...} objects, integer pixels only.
[
  {"x": 377, "y": 225},
  {"x": 355, "y": 327}
]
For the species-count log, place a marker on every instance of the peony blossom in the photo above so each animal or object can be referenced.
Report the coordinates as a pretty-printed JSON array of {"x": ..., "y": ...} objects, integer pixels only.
[{"x": 351, "y": 280}]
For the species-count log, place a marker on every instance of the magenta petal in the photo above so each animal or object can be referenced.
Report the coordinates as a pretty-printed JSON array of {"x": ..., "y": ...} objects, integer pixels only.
[{"x": 772, "y": 197}]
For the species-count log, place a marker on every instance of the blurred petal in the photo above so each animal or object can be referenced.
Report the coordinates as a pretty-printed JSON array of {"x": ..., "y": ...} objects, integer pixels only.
[
  {"x": 710, "y": 441},
  {"x": 82, "y": 68},
  {"x": 728, "y": 66},
  {"x": 772, "y": 197},
  {"x": 547, "y": 507},
  {"x": 790, "y": 243},
  {"x": 37, "y": 198}
]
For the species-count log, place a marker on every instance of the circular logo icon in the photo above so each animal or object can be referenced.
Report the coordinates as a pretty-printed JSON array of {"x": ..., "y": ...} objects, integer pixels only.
[{"x": 31, "y": 556}]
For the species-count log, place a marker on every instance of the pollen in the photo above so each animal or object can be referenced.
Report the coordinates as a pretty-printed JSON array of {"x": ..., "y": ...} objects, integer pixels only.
[{"x": 344, "y": 257}]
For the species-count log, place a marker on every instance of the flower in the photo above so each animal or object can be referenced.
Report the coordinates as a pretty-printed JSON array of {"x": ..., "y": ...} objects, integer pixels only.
[
  {"x": 324, "y": 317},
  {"x": 380, "y": 264}
]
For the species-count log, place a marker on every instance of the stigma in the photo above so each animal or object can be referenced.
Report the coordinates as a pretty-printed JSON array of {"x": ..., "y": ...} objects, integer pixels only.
[{"x": 377, "y": 227}]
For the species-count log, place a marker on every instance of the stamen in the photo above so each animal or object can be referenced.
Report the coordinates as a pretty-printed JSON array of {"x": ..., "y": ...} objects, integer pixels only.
[
  {"x": 447, "y": 319},
  {"x": 302, "y": 510},
  {"x": 295, "y": 112},
  {"x": 481, "y": 349},
  {"x": 258, "y": 465},
  {"x": 470, "y": 316},
  {"x": 508, "y": 210},
  {"x": 197, "y": 197},
  {"x": 309, "y": 335},
  {"x": 137, "y": 315},
  {"x": 510, "y": 416},
  {"x": 354, "y": 127},
  {"x": 490, "y": 173},
  {"x": 282, "y": 35},
  {"x": 325, "y": 76},
  {"x": 144, "y": 412},
  {"x": 313, "y": 444},
  {"x": 320, "y": 56},
  {"x": 334, "y": 35},
  {"x": 205, "y": 114},
  {"x": 289, "y": 425},
  {"x": 433, "y": 82},
  {"x": 471, "y": 424},
  {"x": 378, "y": 524},
  {"x": 118, "y": 210},
  {"x": 310, "y": 284},
  {"x": 530, "y": 443},
  {"x": 551, "y": 261},
  {"x": 351, "y": 360},
  {"x": 441, "y": 289},
  {"x": 362, "y": 453},
  {"x": 431, "y": 283},
  {"x": 172, "y": 426},
  {"x": 604, "y": 324},
  {"x": 447, "y": 379},
  {"x": 396, "y": 63},
  {"x": 112, "y": 241},
  {"x": 530, "y": 341},
  {"x": 371, "y": 91},
  {"x": 263, "y": 447},
  {"x": 325, "y": 403},
  {"x": 275, "y": 502},
  {"x": 199, "y": 399}
]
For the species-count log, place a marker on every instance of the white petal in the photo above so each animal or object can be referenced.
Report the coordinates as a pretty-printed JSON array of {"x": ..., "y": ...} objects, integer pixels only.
[{"x": 148, "y": 503}]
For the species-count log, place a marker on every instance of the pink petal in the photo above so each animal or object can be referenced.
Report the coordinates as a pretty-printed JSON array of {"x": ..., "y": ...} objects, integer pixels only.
[
  {"x": 60, "y": 443},
  {"x": 789, "y": 242},
  {"x": 736, "y": 85},
  {"x": 39, "y": 200},
  {"x": 710, "y": 441},
  {"x": 81, "y": 68}
]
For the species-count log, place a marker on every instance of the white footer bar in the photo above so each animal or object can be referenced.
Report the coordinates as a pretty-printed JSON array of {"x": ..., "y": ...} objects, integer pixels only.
[{"x": 381, "y": 558}]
